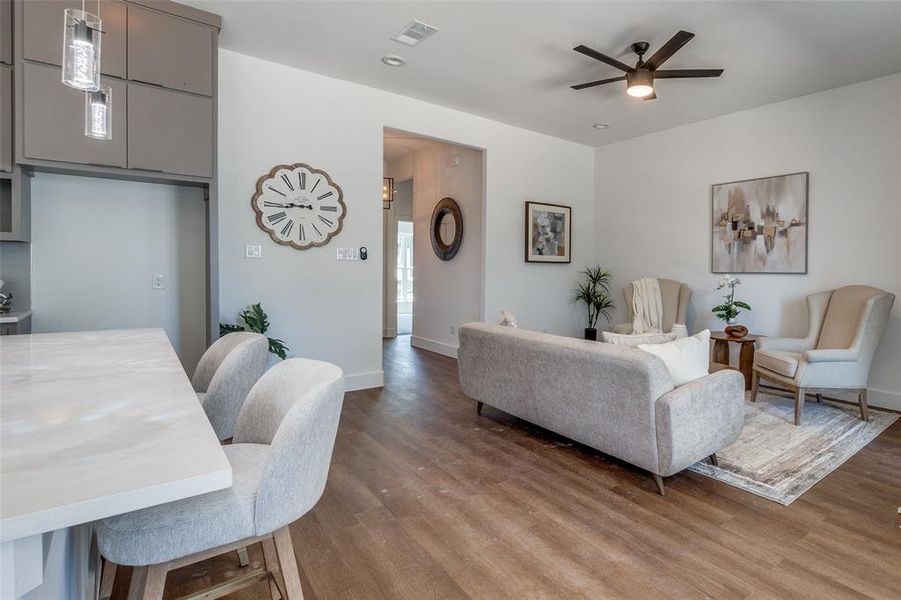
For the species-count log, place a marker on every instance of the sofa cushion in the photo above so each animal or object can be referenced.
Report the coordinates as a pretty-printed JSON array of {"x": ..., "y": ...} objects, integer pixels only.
[
  {"x": 686, "y": 359},
  {"x": 777, "y": 361},
  {"x": 633, "y": 340}
]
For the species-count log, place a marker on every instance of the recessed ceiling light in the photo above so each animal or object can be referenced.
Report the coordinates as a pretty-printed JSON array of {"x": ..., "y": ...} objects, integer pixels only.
[
  {"x": 601, "y": 125},
  {"x": 394, "y": 61}
]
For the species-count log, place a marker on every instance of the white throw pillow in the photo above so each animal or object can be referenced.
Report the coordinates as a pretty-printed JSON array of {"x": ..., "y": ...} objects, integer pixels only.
[
  {"x": 631, "y": 340},
  {"x": 686, "y": 359}
]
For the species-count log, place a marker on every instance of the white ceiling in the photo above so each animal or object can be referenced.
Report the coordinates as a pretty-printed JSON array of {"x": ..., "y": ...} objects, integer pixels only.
[{"x": 513, "y": 61}]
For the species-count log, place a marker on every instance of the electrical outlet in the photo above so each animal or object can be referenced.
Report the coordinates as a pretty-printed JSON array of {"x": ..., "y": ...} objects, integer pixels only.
[
  {"x": 253, "y": 251},
  {"x": 158, "y": 282}
]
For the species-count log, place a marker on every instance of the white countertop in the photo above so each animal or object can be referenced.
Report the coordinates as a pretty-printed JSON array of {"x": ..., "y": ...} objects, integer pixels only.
[
  {"x": 95, "y": 424},
  {"x": 14, "y": 316}
]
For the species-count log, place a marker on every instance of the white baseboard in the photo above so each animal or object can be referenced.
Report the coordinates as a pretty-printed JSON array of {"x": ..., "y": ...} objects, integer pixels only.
[
  {"x": 433, "y": 346},
  {"x": 364, "y": 381},
  {"x": 884, "y": 399}
]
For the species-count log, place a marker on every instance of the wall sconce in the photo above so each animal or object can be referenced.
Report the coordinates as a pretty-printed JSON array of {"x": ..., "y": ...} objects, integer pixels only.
[{"x": 387, "y": 192}]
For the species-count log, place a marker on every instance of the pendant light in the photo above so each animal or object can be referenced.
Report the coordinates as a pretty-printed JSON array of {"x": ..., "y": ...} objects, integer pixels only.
[
  {"x": 387, "y": 192},
  {"x": 81, "y": 49},
  {"x": 97, "y": 114}
]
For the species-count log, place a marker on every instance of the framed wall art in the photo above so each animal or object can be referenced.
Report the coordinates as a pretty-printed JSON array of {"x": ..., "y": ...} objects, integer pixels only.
[
  {"x": 548, "y": 233},
  {"x": 760, "y": 225}
]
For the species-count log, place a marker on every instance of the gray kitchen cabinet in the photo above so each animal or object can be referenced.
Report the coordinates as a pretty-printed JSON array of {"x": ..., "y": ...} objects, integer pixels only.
[
  {"x": 169, "y": 131},
  {"x": 6, "y": 118},
  {"x": 170, "y": 51},
  {"x": 15, "y": 206},
  {"x": 42, "y": 38},
  {"x": 54, "y": 120},
  {"x": 6, "y": 32}
]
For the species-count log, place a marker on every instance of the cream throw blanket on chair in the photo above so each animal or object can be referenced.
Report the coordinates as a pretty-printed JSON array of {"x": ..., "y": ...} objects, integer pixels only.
[{"x": 647, "y": 306}]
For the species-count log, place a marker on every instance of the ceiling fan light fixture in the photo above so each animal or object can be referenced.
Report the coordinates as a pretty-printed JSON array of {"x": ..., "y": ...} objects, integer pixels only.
[{"x": 640, "y": 83}]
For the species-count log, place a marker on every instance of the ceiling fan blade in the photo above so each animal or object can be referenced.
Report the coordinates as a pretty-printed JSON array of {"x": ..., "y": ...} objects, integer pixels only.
[
  {"x": 582, "y": 49},
  {"x": 653, "y": 96},
  {"x": 668, "y": 49},
  {"x": 582, "y": 86},
  {"x": 686, "y": 73}
]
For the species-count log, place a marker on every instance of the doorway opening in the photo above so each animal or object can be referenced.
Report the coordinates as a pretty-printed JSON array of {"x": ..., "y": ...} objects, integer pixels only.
[
  {"x": 404, "y": 277},
  {"x": 437, "y": 205}
]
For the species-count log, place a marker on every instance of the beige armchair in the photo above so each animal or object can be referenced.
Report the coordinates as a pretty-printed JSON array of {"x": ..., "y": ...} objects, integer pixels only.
[
  {"x": 845, "y": 328},
  {"x": 674, "y": 296}
]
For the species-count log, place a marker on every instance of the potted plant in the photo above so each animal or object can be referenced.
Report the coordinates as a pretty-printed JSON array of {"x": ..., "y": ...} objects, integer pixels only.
[
  {"x": 594, "y": 293},
  {"x": 256, "y": 320},
  {"x": 728, "y": 311}
]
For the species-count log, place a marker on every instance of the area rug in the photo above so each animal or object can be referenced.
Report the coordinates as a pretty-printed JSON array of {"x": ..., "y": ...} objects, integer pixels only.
[{"x": 774, "y": 459}]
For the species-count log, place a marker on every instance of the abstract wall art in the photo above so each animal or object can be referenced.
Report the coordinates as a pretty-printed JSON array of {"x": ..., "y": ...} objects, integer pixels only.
[
  {"x": 548, "y": 233},
  {"x": 760, "y": 225}
]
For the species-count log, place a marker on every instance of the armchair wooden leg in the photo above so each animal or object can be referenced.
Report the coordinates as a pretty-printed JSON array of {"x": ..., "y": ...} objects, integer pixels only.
[
  {"x": 862, "y": 398},
  {"x": 755, "y": 383},
  {"x": 799, "y": 405},
  {"x": 713, "y": 460},
  {"x": 659, "y": 481},
  {"x": 479, "y": 408},
  {"x": 288, "y": 563}
]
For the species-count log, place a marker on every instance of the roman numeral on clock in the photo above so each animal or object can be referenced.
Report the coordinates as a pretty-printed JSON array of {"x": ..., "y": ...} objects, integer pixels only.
[
  {"x": 287, "y": 181},
  {"x": 319, "y": 233},
  {"x": 273, "y": 204},
  {"x": 329, "y": 208},
  {"x": 325, "y": 195},
  {"x": 303, "y": 180},
  {"x": 286, "y": 230},
  {"x": 269, "y": 187},
  {"x": 314, "y": 185},
  {"x": 326, "y": 221},
  {"x": 303, "y": 236},
  {"x": 277, "y": 217}
]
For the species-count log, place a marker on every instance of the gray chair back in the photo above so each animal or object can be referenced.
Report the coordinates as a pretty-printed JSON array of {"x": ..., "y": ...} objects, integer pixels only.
[
  {"x": 856, "y": 317},
  {"x": 226, "y": 373},
  {"x": 674, "y": 296},
  {"x": 295, "y": 408}
]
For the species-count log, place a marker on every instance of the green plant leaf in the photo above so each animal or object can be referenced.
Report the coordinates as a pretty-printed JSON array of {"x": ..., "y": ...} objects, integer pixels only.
[{"x": 741, "y": 304}]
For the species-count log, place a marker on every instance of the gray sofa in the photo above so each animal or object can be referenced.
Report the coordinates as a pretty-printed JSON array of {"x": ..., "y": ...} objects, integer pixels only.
[{"x": 618, "y": 400}]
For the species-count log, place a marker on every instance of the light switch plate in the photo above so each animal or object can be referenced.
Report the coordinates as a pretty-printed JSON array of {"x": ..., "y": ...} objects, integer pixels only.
[
  {"x": 158, "y": 282},
  {"x": 346, "y": 254},
  {"x": 253, "y": 251}
]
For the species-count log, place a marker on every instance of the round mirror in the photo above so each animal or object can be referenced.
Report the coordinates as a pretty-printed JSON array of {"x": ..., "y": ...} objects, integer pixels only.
[{"x": 446, "y": 229}]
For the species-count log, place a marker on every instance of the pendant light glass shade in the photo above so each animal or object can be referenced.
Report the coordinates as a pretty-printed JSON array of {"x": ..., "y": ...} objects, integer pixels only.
[
  {"x": 97, "y": 114},
  {"x": 81, "y": 50}
]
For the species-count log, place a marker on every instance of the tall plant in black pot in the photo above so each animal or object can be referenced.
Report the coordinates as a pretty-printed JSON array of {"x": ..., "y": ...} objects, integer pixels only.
[{"x": 594, "y": 292}]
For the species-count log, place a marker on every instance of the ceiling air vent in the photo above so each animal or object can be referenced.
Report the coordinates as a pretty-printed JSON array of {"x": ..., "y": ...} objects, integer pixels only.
[{"x": 414, "y": 32}]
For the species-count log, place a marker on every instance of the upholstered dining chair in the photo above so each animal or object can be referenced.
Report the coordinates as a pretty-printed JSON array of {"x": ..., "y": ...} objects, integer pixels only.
[
  {"x": 280, "y": 461},
  {"x": 225, "y": 374},
  {"x": 674, "y": 296},
  {"x": 845, "y": 327}
]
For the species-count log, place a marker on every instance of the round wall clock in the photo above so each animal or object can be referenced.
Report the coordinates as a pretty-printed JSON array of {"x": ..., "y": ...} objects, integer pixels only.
[{"x": 299, "y": 206}]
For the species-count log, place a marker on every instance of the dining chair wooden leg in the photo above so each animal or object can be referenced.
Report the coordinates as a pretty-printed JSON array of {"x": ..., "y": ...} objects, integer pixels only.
[
  {"x": 713, "y": 460},
  {"x": 819, "y": 397},
  {"x": 107, "y": 579},
  {"x": 478, "y": 408},
  {"x": 270, "y": 558},
  {"x": 243, "y": 558},
  {"x": 138, "y": 583},
  {"x": 155, "y": 582},
  {"x": 862, "y": 398},
  {"x": 755, "y": 383},
  {"x": 288, "y": 563},
  {"x": 799, "y": 405}
]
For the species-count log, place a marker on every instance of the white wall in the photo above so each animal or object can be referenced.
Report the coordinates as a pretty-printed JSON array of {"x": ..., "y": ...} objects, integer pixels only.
[
  {"x": 270, "y": 114},
  {"x": 653, "y": 206},
  {"x": 96, "y": 244}
]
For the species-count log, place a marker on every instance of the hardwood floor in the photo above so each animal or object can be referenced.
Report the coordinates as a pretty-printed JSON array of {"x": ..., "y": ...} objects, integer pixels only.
[{"x": 426, "y": 499}]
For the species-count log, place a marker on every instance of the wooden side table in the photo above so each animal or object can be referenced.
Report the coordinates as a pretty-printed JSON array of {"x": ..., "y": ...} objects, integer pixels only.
[{"x": 721, "y": 341}]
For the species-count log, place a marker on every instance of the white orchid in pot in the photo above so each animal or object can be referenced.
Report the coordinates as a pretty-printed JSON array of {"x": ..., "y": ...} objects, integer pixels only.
[{"x": 728, "y": 311}]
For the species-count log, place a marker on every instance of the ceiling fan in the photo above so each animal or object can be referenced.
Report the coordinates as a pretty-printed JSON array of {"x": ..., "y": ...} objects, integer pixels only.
[{"x": 640, "y": 78}]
